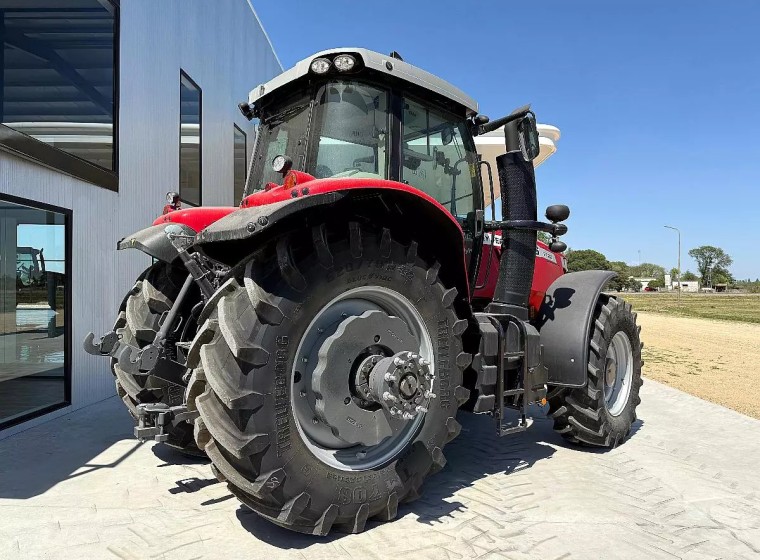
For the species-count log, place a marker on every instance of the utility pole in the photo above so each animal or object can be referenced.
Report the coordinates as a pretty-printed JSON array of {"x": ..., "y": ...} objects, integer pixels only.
[{"x": 679, "y": 261}]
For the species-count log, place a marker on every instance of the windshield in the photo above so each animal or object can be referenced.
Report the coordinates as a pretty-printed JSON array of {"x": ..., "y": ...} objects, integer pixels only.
[{"x": 352, "y": 124}]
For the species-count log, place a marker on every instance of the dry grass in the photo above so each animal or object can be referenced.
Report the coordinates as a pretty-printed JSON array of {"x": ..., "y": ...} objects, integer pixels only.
[
  {"x": 726, "y": 307},
  {"x": 714, "y": 360}
]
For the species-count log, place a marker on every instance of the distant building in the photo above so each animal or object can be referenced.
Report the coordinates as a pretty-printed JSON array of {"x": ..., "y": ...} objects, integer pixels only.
[{"x": 687, "y": 285}]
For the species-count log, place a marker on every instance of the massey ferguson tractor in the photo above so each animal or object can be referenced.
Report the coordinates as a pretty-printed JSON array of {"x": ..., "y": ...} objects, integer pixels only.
[{"x": 318, "y": 341}]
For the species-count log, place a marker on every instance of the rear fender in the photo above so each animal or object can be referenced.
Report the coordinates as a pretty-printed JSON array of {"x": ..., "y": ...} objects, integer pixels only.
[
  {"x": 564, "y": 322},
  {"x": 154, "y": 241},
  {"x": 412, "y": 217}
]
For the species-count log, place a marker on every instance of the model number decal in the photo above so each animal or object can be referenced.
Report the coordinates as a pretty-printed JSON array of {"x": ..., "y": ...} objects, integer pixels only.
[
  {"x": 544, "y": 254},
  {"x": 496, "y": 240}
]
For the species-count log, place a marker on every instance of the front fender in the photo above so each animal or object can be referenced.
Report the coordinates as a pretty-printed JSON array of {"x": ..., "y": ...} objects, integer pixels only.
[
  {"x": 153, "y": 241},
  {"x": 564, "y": 322}
]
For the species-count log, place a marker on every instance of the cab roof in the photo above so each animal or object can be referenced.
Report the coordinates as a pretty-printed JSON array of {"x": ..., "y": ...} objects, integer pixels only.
[{"x": 384, "y": 64}]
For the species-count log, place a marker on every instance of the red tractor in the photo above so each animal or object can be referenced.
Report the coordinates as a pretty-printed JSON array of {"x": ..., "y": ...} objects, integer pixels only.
[{"x": 318, "y": 341}]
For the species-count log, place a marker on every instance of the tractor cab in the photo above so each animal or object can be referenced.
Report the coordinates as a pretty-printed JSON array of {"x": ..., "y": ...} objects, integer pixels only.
[{"x": 355, "y": 114}]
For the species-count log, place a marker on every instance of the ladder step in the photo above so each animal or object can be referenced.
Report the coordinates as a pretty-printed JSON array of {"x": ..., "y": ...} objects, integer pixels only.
[
  {"x": 506, "y": 429},
  {"x": 513, "y": 392}
]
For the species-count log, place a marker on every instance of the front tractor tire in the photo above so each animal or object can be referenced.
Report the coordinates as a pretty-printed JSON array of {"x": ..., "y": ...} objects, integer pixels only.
[
  {"x": 137, "y": 323},
  {"x": 602, "y": 413},
  {"x": 286, "y": 378}
]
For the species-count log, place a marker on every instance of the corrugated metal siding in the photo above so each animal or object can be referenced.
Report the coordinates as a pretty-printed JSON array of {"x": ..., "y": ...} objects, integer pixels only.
[{"x": 222, "y": 47}]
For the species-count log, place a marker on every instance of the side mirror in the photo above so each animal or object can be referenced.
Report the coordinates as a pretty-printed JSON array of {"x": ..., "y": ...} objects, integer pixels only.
[
  {"x": 528, "y": 136},
  {"x": 447, "y": 135}
]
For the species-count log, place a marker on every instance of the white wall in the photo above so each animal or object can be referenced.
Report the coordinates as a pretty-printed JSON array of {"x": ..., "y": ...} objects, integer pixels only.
[{"x": 223, "y": 48}]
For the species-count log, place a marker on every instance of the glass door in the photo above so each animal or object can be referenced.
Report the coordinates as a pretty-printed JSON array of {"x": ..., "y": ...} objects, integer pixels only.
[{"x": 33, "y": 311}]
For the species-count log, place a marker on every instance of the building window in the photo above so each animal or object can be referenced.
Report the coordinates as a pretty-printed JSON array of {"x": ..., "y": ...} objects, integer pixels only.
[
  {"x": 34, "y": 310},
  {"x": 240, "y": 162},
  {"x": 58, "y": 84},
  {"x": 190, "y": 140}
]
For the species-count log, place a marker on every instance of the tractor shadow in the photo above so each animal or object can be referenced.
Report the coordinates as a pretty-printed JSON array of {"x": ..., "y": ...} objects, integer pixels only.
[
  {"x": 172, "y": 456},
  {"x": 73, "y": 446},
  {"x": 476, "y": 454}
]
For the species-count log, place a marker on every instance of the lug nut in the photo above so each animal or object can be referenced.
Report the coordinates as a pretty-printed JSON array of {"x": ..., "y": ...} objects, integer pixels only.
[
  {"x": 421, "y": 409},
  {"x": 407, "y": 416},
  {"x": 397, "y": 361},
  {"x": 430, "y": 395},
  {"x": 424, "y": 362},
  {"x": 390, "y": 377},
  {"x": 388, "y": 397}
]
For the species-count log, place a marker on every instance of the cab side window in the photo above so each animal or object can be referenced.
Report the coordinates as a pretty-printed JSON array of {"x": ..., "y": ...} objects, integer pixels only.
[{"x": 435, "y": 159}]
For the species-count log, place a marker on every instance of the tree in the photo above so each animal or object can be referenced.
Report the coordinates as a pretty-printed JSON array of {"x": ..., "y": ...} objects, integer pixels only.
[
  {"x": 722, "y": 277},
  {"x": 634, "y": 285},
  {"x": 711, "y": 261},
  {"x": 674, "y": 273},
  {"x": 657, "y": 283},
  {"x": 689, "y": 276},
  {"x": 648, "y": 270},
  {"x": 586, "y": 259},
  {"x": 545, "y": 237},
  {"x": 623, "y": 279}
]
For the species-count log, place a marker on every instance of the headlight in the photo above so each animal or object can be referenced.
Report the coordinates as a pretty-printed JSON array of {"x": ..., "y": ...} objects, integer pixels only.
[
  {"x": 344, "y": 62},
  {"x": 281, "y": 164},
  {"x": 320, "y": 65}
]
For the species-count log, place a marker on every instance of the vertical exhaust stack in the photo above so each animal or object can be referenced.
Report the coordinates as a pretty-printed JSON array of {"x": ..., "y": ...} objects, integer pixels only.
[{"x": 518, "y": 202}]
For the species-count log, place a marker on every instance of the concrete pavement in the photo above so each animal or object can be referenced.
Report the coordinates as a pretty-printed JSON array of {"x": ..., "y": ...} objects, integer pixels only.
[{"x": 686, "y": 485}]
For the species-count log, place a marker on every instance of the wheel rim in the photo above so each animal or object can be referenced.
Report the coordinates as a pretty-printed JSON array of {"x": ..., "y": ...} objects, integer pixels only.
[
  {"x": 618, "y": 373},
  {"x": 320, "y": 438}
]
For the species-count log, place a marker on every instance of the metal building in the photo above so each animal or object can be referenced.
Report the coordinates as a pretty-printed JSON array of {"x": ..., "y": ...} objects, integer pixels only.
[{"x": 105, "y": 106}]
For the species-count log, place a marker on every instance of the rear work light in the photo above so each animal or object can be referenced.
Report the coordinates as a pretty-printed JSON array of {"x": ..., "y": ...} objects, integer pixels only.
[
  {"x": 344, "y": 62},
  {"x": 320, "y": 65}
]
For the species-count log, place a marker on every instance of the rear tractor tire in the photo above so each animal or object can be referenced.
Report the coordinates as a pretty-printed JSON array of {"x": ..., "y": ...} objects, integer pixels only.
[
  {"x": 284, "y": 373},
  {"x": 602, "y": 413},
  {"x": 137, "y": 324}
]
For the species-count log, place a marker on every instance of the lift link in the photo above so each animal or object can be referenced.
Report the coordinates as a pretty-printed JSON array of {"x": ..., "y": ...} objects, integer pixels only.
[{"x": 518, "y": 341}]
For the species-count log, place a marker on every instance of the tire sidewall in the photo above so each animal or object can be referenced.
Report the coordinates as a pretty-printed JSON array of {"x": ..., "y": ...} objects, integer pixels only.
[{"x": 621, "y": 319}]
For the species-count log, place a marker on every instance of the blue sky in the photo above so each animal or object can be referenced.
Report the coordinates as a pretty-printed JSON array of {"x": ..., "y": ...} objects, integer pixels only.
[{"x": 658, "y": 103}]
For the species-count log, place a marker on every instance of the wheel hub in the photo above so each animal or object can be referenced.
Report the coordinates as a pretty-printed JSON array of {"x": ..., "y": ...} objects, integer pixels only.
[
  {"x": 358, "y": 380},
  {"x": 402, "y": 384},
  {"x": 338, "y": 414},
  {"x": 618, "y": 373},
  {"x": 611, "y": 372}
]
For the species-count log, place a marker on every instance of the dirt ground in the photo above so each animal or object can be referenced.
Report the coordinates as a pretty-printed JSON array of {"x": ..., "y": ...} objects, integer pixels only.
[{"x": 718, "y": 361}]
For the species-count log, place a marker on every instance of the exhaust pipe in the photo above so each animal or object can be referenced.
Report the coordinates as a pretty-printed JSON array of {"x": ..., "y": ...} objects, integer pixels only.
[{"x": 518, "y": 202}]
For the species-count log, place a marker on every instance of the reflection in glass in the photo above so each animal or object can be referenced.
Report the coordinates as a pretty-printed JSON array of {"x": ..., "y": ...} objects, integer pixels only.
[
  {"x": 57, "y": 76},
  {"x": 32, "y": 310},
  {"x": 240, "y": 163},
  {"x": 190, "y": 141}
]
